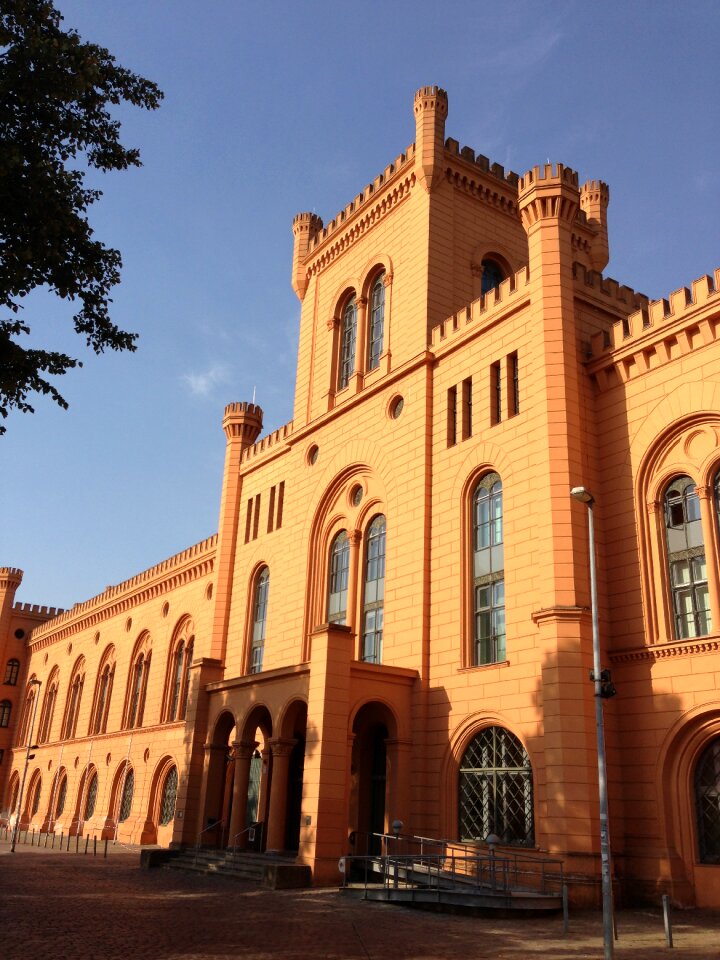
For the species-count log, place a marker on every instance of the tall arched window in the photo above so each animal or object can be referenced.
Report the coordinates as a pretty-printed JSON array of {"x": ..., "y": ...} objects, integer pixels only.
[
  {"x": 686, "y": 559},
  {"x": 260, "y": 602},
  {"x": 488, "y": 571},
  {"x": 12, "y": 670},
  {"x": 338, "y": 580},
  {"x": 34, "y": 794},
  {"x": 5, "y": 710},
  {"x": 178, "y": 671},
  {"x": 495, "y": 789},
  {"x": 102, "y": 698},
  {"x": 137, "y": 686},
  {"x": 377, "y": 321},
  {"x": 91, "y": 796},
  {"x": 168, "y": 797},
  {"x": 127, "y": 796},
  {"x": 61, "y": 797},
  {"x": 707, "y": 802},
  {"x": 26, "y": 720},
  {"x": 48, "y": 708},
  {"x": 374, "y": 591},
  {"x": 348, "y": 337},
  {"x": 72, "y": 709}
]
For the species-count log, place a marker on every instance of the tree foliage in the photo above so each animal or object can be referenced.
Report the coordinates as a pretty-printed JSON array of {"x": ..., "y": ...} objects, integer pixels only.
[{"x": 56, "y": 96}]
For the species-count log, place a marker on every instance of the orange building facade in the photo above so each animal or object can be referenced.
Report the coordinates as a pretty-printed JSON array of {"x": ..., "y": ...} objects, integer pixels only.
[{"x": 393, "y": 620}]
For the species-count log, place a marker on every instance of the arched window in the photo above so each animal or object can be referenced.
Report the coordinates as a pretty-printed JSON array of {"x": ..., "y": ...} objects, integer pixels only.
[
  {"x": 48, "y": 709},
  {"x": 14, "y": 792},
  {"x": 178, "y": 671},
  {"x": 493, "y": 275},
  {"x": 27, "y": 714},
  {"x": 72, "y": 710},
  {"x": 102, "y": 699},
  {"x": 168, "y": 797},
  {"x": 495, "y": 789},
  {"x": 127, "y": 796},
  {"x": 35, "y": 792},
  {"x": 338, "y": 580},
  {"x": 257, "y": 646},
  {"x": 5, "y": 710},
  {"x": 12, "y": 670},
  {"x": 488, "y": 571},
  {"x": 348, "y": 336},
  {"x": 137, "y": 689},
  {"x": 61, "y": 797},
  {"x": 91, "y": 797},
  {"x": 374, "y": 591},
  {"x": 707, "y": 803},
  {"x": 377, "y": 321},
  {"x": 686, "y": 559}
]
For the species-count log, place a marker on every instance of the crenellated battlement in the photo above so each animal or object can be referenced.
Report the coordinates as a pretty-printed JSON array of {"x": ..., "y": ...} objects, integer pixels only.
[
  {"x": 548, "y": 174},
  {"x": 282, "y": 433},
  {"x": 431, "y": 97},
  {"x": 242, "y": 421},
  {"x": 484, "y": 309},
  {"x": 608, "y": 288},
  {"x": 594, "y": 191},
  {"x": 362, "y": 198},
  {"x": 10, "y": 577},
  {"x": 130, "y": 593},
  {"x": 496, "y": 170},
  {"x": 40, "y": 610},
  {"x": 663, "y": 317}
]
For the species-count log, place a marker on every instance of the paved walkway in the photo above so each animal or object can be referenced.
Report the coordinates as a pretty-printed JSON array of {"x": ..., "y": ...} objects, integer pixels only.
[{"x": 68, "y": 906}]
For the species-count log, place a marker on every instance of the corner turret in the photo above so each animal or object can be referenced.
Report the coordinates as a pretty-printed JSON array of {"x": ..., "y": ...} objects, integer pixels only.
[
  {"x": 431, "y": 110},
  {"x": 594, "y": 199},
  {"x": 10, "y": 580},
  {"x": 242, "y": 422},
  {"x": 305, "y": 228}
]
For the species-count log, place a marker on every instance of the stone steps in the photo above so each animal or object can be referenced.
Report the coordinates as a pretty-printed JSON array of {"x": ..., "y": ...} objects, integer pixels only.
[{"x": 276, "y": 873}]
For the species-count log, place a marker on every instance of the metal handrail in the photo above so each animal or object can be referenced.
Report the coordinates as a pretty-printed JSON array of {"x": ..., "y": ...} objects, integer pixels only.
[
  {"x": 212, "y": 826},
  {"x": 249, "y": 830}
]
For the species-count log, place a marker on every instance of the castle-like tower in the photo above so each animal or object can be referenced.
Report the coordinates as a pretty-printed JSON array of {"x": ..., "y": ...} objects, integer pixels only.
[{"x": 392, "y": 623}]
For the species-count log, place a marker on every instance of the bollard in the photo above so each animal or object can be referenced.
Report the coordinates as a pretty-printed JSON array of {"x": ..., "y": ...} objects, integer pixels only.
[
  {"x": 566, "y": 911},
  {"x": 77, "y": 843},
  {"x": 32, "y": 839},
  {"x": 94, "y": 846},
  {"x": 105, "y": 854},
  {"x": 87, "y": 843},
  {"x": 666, "y": 919},
  {"x": 68, "y": 843},
  {"x": 47, "y": 837},
  {"x": 53, "y": 843}
]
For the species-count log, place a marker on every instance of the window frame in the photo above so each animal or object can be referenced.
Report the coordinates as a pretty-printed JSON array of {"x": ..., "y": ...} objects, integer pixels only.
[
  {"x": 258, "y": 620},
  {"x": 371, "y": 638},
  {"x": 376, "y": 320},
  {"x": 489, "y": 648},
  {"x": 347, "y": 343},
  {"x": 12, "y": 672},
  {"x": 681, "y": 508},
  {"x": 338, "y": 568}
]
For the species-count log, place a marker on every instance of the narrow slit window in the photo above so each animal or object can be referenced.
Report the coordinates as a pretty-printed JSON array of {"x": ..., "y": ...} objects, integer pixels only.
[
  {"x": 452, "y": 416},
  {"x": 467, "y": 408},
  {"x": 496, "y": 392}
]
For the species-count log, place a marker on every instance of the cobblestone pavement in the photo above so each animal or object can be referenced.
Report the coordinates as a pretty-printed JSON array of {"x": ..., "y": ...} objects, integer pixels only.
[{"x": 67, "y": 906}]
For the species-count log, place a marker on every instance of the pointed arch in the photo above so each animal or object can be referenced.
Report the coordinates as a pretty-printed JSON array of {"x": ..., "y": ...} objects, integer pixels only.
[
  {"x": 103, "y": 692},
  {"x": 137, "y": 683}
]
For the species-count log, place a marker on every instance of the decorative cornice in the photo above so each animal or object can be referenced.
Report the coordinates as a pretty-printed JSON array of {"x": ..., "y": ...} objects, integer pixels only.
[
  {"x": 332, "y": 247},
  {"x": 665, "y": 651},
  {"x": 189, "y": 565}
]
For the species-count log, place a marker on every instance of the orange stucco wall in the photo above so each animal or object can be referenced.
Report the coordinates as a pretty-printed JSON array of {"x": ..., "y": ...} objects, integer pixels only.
[{"x": 615, "y": 394}]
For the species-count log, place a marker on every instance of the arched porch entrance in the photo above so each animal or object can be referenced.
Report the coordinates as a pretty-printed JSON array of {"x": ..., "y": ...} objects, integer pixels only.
[
  {"x": 375, "y": 795},
  {"x": 217, "y": 810}
]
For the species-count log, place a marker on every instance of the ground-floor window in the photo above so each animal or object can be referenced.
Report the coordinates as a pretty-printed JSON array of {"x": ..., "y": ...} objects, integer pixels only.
[
  {"x": 495, "y": 789},
  {"x": 707, "y": 802},
  {"x": 169, "y": 797}
]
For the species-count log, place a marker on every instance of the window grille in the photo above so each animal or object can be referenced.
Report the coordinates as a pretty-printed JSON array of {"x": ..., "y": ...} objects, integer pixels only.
[
  {"x": 127, "y": 796},
  {"x": 495, "y": 789},
  {"x": 707, "y": 803},
  {"x": 169, "y": 797}
]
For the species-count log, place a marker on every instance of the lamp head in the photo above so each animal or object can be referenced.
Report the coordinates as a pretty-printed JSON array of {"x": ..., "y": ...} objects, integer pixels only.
[{"x": 582, "y": 494}]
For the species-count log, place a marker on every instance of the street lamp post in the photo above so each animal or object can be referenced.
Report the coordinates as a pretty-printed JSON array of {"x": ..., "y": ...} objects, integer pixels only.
[
  {"x": 584, "y": 496},
  {"x": 28, "y": 757}
]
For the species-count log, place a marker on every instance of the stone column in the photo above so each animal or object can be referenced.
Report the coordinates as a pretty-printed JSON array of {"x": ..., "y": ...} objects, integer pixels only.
[{"x": 277, "y": 813}]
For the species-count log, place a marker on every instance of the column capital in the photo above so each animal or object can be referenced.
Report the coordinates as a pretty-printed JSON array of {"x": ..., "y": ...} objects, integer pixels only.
[{"x": 281, "y": 747}]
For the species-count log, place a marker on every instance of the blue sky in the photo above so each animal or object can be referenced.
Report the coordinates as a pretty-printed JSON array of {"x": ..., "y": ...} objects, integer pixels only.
[{"x": 277, "y": 106}]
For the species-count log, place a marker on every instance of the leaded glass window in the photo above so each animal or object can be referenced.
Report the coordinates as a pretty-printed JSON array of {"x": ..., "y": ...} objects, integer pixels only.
[
  {"x": 488, "y": 571},
  {"x": 374, "y": 591},
  {"x": 257, "y": 649},
  {"x": 91, "y": 797},
  {"x": 103, "y": 699},
  {"x": 47, "y": 714},
  {"x": 127, "y": 796},
  {"x": 707, "y": 803},
  {"x": 686, "y": 558},
  {"x": 62, "y": 794},
  {"x": 338, "y": 585},
  {"x": 11, "y": 672},
  {"x": 495, "y": 789},
  {"x": 73, "y": 709},
  {"x": 36, "y": 799},
  {"x": 186, "y": 681},
  {"x": 136, "y": 706},
  {"x": 177, "y": 679},
  {"x": 377, "y": 322},
  {"x": 169, "y": 796},
  {"x": 348, "y": 336}
]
